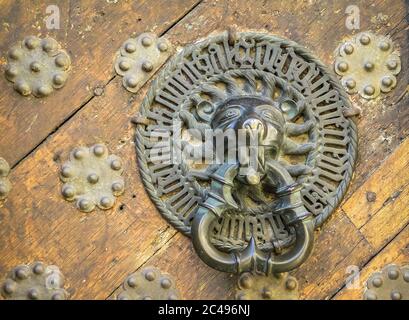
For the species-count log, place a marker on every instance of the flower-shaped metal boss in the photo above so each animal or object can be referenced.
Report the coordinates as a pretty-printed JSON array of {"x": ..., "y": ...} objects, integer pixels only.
[
  {"x": 92, "y": 178},
  {"x": 139, "y": 57},
  {"x": 37, "y": 66},
  {"x": 392, "y": 283},
  {"x": 149, "y": 284},
  {"x": 37, "y": 281},
  {"x": 280, "y": 286},
  {"x": 368, "y": 64}
]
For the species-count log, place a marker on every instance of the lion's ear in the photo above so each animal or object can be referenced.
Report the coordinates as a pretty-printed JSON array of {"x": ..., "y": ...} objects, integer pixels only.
[
  {"x": 205, "y": 110},
  {"x": 290, "y": 109}
]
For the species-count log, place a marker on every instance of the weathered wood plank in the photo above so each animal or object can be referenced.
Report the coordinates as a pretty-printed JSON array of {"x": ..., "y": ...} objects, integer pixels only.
[
  {"x": 378, "y": 207},
  {"x": 397, "y": 251},
  {"x": 91, "y": 33}
]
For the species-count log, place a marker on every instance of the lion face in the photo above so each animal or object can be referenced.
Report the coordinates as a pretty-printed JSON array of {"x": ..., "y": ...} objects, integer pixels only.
[{"x": 255, "y": 118}]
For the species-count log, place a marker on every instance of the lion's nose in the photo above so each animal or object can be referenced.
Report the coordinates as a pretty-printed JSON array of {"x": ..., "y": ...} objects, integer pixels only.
[{"x": 253, "y": 124}]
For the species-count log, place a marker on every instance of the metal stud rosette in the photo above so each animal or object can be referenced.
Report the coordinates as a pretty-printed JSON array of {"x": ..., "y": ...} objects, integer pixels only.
[
  {"x": 5, "y": 185},
  {"x": 37, "y": 66},
  {"x": 34, "y": 282},
  {"x": 279, "y": 286},
  {"x": 92, "y": 177},
  {"x": 368, "y": 64},
  {"x": 149, "y": 284},
  {"x": 392, "y": 283},
  {"x": 138, "y": 57}
]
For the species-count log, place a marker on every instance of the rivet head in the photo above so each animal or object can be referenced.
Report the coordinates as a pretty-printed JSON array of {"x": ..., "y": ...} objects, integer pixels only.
[
  {"x": 79, "y": 154},
  {"x": 165, "y": 283},
  {"x": 173, "y": 297},
  {"x": 147, "y": 66},
  {"x": 31, "y": 43},
  {"x": 384, "y": 45},
  {"x": 11, "y": 72},
  {"x": 348, "y": 48},
  {"x": 369, "y": 66},
  {"x": 147, "y": 41},
  {"x": 130, "y": 47},
  {"x": 406, "y": 276},
  {"x": 291, "y": 284},
  {"x": 93, "y": 178},
  {"x": 68, "y": 192},
  {"x": 377, "y": 282},
  {"x": 22, "y": 87},
  {"x": 132, "y": 282},
  {"x": 61, "y": 61},
  {"x": 49, "y": 45},
  {"x": 21, "y": 272},
  {"x": 59, "y": 79},
  {"x": 123, "y": 296},
  {"x": 117, "y": 187},
  {"x": 365, "y": 39},
  {"x": 15, "y": 54},
  {"x": 342, "y": 66},
  {"x": 116, "y": 164},
  {"x": 150, "y": 275},
  {"x": 9, "y": 287},
  {"x": 33, "y": 294},
  {"x": 163, "y": 46},
  {"x": 106, "y": 202},
  {"x": 350, "y": 83},
  {"x": 369, "y": 90},
  {"x": 35, "y": 66},
  {"x": 124, "y": 65},
  {"x": 99, "y": 150},
  {"x": 58, "y": 296},
  {"x": 147, "y": 298},
  {"x": 131, "y": 82},
  {"x": 246, "y": 281},
  {"x": 38, "y": 268},
  {"x": 44, "y": 90},
  {"x": 393, "y": 274},
  {"x": 395, "y": 295},
  {"x": 392, "y": 64},
  {"x": 387, "y": 81},
  {"x": 369, "y": 295},
  {"x": 84, "y": 205}
]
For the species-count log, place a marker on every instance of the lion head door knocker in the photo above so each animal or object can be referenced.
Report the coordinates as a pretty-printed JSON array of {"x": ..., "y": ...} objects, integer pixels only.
[{"x": 243, "y": 145}]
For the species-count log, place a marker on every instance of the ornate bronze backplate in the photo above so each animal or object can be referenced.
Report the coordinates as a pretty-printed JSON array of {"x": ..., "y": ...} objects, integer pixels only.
[{"x": 261, "y": 84}]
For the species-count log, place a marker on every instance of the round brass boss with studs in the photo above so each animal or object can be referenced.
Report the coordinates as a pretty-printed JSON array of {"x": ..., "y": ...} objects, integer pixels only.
[
  {"x": 36, "y": 281},
  {"x": 368, "y": 64},
  {"x": 37, "y": 66},
  {"x": 138, "y": 57},
  {"x": 92, "y": 177},
  {"x": 149, "y": 284}
]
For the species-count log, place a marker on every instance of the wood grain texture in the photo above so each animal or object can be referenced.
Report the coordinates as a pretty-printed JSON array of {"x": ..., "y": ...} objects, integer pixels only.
[
  {"x": 91, "y": 33},
  {"x": 382, "y": 217},
  {"x": 397, "y": 251},
  {"x": 96, "y": 251}
]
